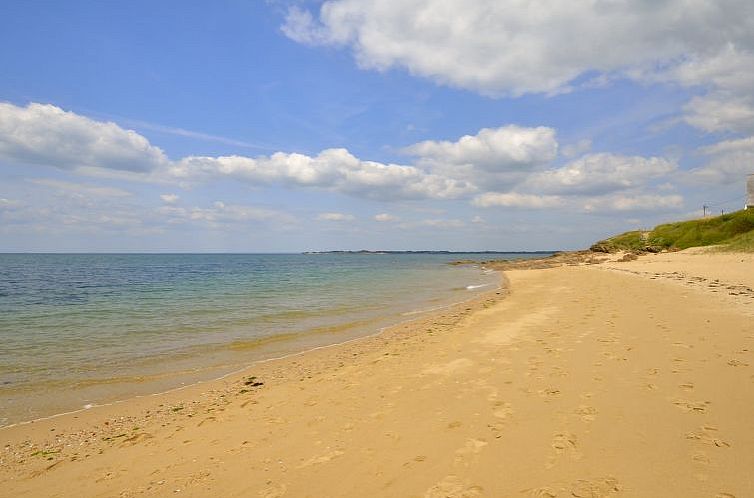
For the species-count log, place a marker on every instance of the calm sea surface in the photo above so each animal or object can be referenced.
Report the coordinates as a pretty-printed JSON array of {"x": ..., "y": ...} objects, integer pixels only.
[{"x": 80, "y": 329}]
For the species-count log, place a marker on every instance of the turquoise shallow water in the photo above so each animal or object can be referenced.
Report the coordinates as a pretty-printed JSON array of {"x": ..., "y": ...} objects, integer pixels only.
[{"x": 78, "y": 329}]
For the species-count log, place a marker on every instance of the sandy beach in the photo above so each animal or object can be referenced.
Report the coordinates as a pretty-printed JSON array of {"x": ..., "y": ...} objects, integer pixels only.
[{"x": 613, "y": 379}]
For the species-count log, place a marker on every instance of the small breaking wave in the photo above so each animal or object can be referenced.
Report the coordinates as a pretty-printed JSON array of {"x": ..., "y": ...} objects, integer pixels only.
[{"x": 473, "y": 287}]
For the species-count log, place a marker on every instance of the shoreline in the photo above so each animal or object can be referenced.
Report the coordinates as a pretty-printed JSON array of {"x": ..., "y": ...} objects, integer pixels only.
[
  {"x": 239, "y": 371},
  {"x": 406, "y": 319},
  {"x": 577, "y": 380},
  {"x": 284, "y": 346}
]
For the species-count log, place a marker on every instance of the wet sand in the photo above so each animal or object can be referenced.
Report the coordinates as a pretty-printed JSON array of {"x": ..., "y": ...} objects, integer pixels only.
[{"x": 612, "y": 379}]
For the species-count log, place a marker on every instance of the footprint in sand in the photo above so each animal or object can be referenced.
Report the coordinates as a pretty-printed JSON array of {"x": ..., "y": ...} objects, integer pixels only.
[
  {"x": 707, "y": 434},
  {"x": 321, "y": 458},
  {"x": 208, "y": 419},
  {"x": 586, "y": 412},
  {"x": 737, "y": 363},
  {"x": 450, "y": 368},
  {"x": 273, "y": 491},
  {"x": 549, "y": 393},
  {"x": 472, "y": 447},
  {"x": 497, "y": 429},
  {"x": 540, "y": 493},
  {"x": 453, "y": 487},
  {"x": 595, "y": 488},
  {"x": 468, "y": 450},
  {"x": 700, "y": 457},
  {"x": 691, "y": 406},
  {"x": 564, "y": 443},
  {"x": 136, "y": 438},
  {"x": 502, "y": 410}
]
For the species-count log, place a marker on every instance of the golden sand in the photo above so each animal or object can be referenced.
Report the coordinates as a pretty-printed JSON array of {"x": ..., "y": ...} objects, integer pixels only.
[{"x": 615, "y": 379}]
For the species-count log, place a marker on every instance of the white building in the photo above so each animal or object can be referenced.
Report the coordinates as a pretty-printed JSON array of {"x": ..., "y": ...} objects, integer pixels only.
[{"x": 750, "y": 192}]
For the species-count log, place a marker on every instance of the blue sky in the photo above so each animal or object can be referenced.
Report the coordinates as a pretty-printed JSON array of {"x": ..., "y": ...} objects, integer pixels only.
[{"x": 288, "y": 126}]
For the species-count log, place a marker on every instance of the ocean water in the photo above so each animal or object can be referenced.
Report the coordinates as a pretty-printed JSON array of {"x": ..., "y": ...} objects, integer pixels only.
[{"x": 83, "y": 329}]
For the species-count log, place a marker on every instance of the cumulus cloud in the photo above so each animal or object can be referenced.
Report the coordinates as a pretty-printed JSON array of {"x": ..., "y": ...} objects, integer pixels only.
[
  {"x": 492, "y": 148},
  {"x": 506, "y": 47},
  {"x": 502, "y": 166},
  {"x": 335, "y": 217},
  {"x": 491, "y": 159},
  {"x": 600, "y": 173},
  {"x": 47, "y": 135},
  {"x": 517, "y": 200},
  {"x": 334, "y": 169}
]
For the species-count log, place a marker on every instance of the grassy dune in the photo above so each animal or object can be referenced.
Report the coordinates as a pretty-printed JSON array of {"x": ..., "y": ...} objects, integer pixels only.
[{"x": 732, "y": 231}]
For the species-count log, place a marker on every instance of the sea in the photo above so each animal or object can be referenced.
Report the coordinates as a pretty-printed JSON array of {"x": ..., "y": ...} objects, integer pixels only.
[{"x": 77, "y": 330}]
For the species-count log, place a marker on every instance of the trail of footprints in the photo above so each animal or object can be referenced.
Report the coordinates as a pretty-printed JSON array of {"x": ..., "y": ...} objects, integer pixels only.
[
  {"x": 713, "y": 285},
  {"x": 565, "y": 444}
]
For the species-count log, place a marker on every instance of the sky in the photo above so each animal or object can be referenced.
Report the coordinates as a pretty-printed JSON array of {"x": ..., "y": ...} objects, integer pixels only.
[{"x": 285, "y": 126}]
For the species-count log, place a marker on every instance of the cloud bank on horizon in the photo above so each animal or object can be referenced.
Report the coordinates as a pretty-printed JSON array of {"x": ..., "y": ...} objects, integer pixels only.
[{"x": 96, "y": 175}]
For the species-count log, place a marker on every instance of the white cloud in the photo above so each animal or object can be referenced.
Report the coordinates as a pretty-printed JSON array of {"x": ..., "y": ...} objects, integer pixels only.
[
  {"x": 335, "y": 217},
  {"x": 600, "y": 173},
  {"x": 508, "y": 47},
  {"x": 439, "y": 223},
  {"x": 517, "y": 200},
  {"x": 728, "y": 104},
  {"x": 578, "y": 148},
  {"x": 169, "y": 198},
  {"x": 220, "y": 214},
  {"x": 501, "y": 166},
  {"x": 443, "y": 223},
  {"x": 493, "y": 158},
  {"x": 724, "y": 69},
  {"x": 7, "y": 204},
  {"x": 730, "y": 162},
  {"x": 332, "y": 169},
  {"x": 301, "y": 27},
  {"x": 639, "y": 202},
  {"x": 720, "y": 112},
  {"x": 81, "y": 189},
  {"x": 492, "y": 148},
  {"x": 511, "y": 48},
  {"x": 385, "y": 217},
  {"x": 46, "y": 135}
]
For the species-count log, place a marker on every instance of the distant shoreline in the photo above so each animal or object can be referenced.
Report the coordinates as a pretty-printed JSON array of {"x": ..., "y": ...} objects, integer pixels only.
[{"x": 365, "y": 251}]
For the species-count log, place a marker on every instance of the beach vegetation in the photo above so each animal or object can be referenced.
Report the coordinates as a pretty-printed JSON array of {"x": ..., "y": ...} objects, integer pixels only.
[{"x": 731, "y": 231}]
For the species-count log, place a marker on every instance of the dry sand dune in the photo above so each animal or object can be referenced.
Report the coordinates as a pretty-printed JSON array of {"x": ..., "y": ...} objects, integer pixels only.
[{"x": 618, "y": 379}]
